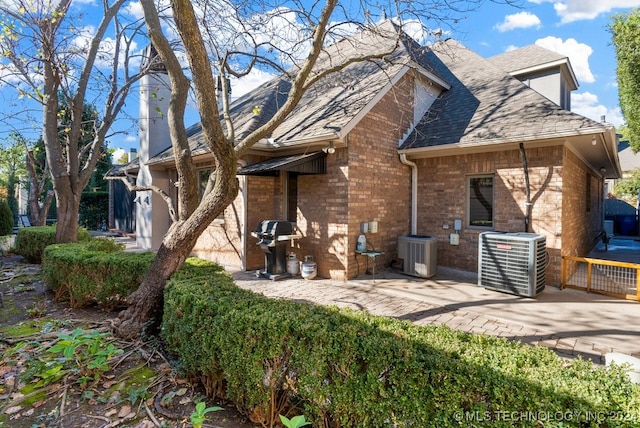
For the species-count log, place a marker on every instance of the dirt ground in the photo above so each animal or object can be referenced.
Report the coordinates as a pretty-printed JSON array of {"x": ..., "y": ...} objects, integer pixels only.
[{"x": 63, "y": 368}]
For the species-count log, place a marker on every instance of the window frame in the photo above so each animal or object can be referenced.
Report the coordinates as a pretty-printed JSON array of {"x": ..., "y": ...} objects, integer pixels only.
[{"x": 468, "y": 201}]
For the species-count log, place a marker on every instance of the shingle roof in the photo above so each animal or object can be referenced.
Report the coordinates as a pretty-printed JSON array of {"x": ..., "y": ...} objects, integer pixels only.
[
  {"x": 629, "y": 160},
  {"x": 525, "y": 57},
  {"x": 486, "y": 105},
  {"x": 331, "y": 103}
]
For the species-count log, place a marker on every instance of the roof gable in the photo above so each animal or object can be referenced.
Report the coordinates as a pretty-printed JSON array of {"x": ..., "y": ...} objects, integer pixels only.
[
  {"x": 486, "y": 105},
  {"x": 532, "y": 59},
  {"x": 330, "y": 106}
]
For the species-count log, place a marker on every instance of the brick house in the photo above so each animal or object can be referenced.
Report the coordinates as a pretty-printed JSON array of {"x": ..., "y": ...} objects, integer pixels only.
[{"x": 404, "y": 142}]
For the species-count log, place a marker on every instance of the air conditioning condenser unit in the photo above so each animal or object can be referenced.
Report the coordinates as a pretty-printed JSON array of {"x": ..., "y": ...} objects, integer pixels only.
[
  {"x": 512, "y": 262},
  {"x": 419, "y": 254}
]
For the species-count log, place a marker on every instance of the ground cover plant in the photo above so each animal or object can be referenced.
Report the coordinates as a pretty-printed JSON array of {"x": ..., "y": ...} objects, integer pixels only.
[{"x": 62, "y": 367}]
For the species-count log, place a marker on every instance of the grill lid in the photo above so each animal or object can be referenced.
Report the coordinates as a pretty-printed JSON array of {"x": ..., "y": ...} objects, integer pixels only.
[{"x": 274, "y": 228}]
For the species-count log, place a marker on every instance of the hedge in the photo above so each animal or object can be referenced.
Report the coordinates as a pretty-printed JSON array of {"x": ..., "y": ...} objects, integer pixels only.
[
  {"x": 31, "y": 241},
  {"x": 95, "y": 271},
  {"x": 6, "y": 219},
  {"x": 345, "y": 368}
]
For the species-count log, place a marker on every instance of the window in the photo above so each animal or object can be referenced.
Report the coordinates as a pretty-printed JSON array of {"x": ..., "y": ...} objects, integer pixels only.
[
  {"x": 587, "y": 198},
  {"x": 292, "y": 198},
  {"x": 480, "y": 201},
  {"x": 290, "y": 195}
]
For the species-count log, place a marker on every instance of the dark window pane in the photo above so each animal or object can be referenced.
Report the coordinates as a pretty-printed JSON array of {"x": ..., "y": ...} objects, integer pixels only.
[{"x": 481, "y": 201}]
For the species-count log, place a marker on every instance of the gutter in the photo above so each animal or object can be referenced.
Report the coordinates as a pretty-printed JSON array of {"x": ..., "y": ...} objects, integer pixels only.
[{"x": 414, "y": 192}]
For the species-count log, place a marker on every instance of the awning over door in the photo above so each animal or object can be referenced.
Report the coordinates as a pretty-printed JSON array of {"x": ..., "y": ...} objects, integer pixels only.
[{"x": 309, "y": 163}]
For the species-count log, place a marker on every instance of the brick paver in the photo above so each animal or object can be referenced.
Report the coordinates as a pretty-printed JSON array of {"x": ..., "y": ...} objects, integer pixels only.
[{"x": 352, "y": 295}]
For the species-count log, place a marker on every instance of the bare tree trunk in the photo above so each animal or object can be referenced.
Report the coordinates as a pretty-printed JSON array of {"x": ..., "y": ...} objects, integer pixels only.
[
  {"x": 68, "y": 209},
  {"x": 145, "y": 305},
  {"x": 38, "y": 212}
]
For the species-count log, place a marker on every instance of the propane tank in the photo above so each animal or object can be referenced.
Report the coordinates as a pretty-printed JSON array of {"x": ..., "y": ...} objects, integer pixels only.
[
  {"x": 309, "y": 268},
  {"x": 362, "y": 243},
  {"x": 293, "y": 264}
]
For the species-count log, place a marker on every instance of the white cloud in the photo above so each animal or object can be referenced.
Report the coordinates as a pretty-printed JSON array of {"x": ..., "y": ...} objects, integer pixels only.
[
  {"x": 518, "y": 20},
  {"x": 587, "y": 105},
  {"x": 134, "y": 9},
  {"x": 576, "y": 10},
  {"x": 578, "y": 54},
  {"x": 245, "y": 84}
]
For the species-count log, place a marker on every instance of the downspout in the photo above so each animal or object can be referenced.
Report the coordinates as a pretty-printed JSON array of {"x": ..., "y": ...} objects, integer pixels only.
[{"x": 414, "y": 192}]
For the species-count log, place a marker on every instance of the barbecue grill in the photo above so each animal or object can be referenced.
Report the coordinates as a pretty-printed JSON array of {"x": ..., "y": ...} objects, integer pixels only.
[{"x": 272, "y": 237}]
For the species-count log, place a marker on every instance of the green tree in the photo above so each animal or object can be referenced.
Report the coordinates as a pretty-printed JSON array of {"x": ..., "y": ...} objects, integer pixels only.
[
  {"x": 35, "y": 41},
  {"x": 625, "y": 29},
  {"x": 12, "y": 167},
  {"x": 627, "y": 187}
]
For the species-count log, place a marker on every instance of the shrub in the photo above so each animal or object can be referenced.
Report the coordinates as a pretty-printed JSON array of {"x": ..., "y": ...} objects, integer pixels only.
[
  {"x": 6, "y": 219},
  {"x": 94, "y": 209},
  {"x": 350, "y": 369},
  {"x": 95, "y": 271},
  {"x": 31, "y": 241}
]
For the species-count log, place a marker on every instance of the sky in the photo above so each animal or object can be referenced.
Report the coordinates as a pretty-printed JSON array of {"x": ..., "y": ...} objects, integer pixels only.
[{"x": 575, "y": 28}]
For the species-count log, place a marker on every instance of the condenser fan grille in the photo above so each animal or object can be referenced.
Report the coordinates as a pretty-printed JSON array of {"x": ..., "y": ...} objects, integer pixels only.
[{"x": 512, "y": 262}]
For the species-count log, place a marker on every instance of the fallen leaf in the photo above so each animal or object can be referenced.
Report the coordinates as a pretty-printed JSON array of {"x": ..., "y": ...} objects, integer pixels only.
[
  {"x": 185, "y": 400},
  {"x": 124, "y": 411},
  {"x": 9, "y": 382},
  {"x": 13, "y": 409},
  {"x": 39, "y": 403},
  {"x": 181, "y": 392},
  {"x": 146, "y": 423},
  {"x": 110, "y": 413},
  {"x": 108, "y": 384}
]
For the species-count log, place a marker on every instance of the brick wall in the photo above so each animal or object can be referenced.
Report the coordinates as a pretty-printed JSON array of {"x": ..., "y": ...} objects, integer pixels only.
[
  {"x": 379, "y": 184},
  {"x": 582, "y": 220},
  {"x": 222, "y": 241},
  {"x": 366, "y": 181},
  {"x": 322, "y": 216},
  {"x": 442, "y": 199}
]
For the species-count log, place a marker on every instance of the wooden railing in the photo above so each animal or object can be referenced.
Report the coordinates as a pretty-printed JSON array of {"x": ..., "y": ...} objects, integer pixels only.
[{"x": 616, "y": 279}]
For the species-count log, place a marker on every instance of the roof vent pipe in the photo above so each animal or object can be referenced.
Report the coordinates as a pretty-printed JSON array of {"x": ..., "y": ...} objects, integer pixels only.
[{"x": 414, "y": 192}]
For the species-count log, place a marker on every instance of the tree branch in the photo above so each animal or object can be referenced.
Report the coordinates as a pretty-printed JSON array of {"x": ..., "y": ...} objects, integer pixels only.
[{"x": 134, "y": 188}]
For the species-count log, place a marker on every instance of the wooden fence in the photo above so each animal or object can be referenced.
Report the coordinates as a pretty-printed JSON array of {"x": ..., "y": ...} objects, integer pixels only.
[{"x": 616, "y": 279}]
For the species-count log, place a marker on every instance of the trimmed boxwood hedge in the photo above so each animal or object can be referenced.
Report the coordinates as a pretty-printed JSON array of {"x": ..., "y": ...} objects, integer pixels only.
[
  {"x": 94, "y": 271},
  {"x": 345, "y": 368},
  {"x": 31, "y": 241}
]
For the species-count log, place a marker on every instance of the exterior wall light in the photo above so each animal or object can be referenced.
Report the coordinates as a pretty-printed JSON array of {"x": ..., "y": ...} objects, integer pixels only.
[{"x": 331, "y": 149}]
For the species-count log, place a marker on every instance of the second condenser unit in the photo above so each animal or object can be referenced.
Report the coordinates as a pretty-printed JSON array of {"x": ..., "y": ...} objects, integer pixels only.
[
  {"x": 512, "y": 262},
  {"x": 419, "y": 254}
]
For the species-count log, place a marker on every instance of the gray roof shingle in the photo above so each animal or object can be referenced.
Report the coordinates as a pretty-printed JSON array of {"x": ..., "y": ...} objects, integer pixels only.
[
  {"x": 487, "y": 105},
  {"x": 331, "y": 103},
  {"x": 525, "y": 57}
]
